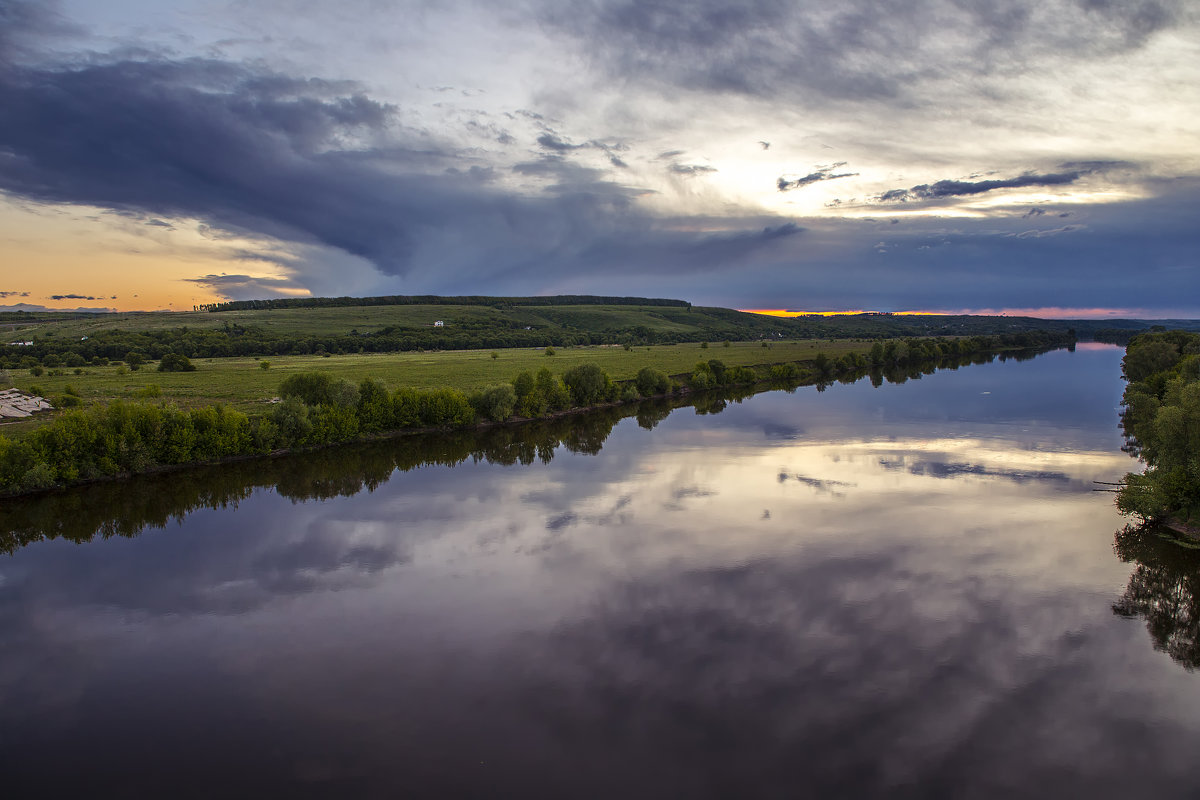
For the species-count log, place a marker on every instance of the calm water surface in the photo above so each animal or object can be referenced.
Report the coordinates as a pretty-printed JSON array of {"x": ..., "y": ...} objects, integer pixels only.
[{"x": 909, "y": 590}]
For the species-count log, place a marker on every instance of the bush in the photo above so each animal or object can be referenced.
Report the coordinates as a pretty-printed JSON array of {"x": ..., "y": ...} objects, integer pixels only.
[
  {"x": 332, "y": 423},
  {"x": 587, "y": 384},
  {"x": 37, "y": 371},
  {"x": 651, "y": 381},
  {"x": 741, "y": 376},
  {"x": 445, "y": 408},
  {"x": 67, "y": 401},
  {"x": 523, "y": 385},
  {"x": 264, "y": 364},
  {"x": 291, "y": 420},
  {"x": 496, "y": 402},
  {"x": 549, "y": 351},
  {"x": 175, "y": 362},
  {"x": 406, "y": 408},
  {"x": 149, "y": 390},
  {"x": 788, "y": 371},
  {"x": 319, "y": 388},
  {"x": 374, "y": 407},
  {"x": 135, "y": 360},
  {"x": 701, "y": 379}
]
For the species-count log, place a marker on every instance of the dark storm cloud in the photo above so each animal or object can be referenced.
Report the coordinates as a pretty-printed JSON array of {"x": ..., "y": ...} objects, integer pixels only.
[
  {"x": 948, "y": 188},
  {"x": 784, "y": 183},
  {"x": 311, "y": 162},
  {"x": 850, "y": 50}
]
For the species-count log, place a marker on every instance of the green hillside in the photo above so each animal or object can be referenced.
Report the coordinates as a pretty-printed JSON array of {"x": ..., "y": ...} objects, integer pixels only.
[{"x": 336, "y": 325}]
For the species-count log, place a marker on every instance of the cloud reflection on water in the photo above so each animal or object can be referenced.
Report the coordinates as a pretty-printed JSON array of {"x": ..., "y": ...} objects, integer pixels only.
[{"x": 924, "y": 609}]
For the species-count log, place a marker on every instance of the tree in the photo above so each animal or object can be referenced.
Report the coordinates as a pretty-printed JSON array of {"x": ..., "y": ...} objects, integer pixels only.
[
  {"x": 174, "y": 362},
  {"x": 651, "y": 381},
  {"x": 587, "y": 384},
  {"x": 319, "y": 388},
  {"x": 1144, "y": 357},
  {"x": 496, "y": 402},
  {"x": 374, "y": 407}
]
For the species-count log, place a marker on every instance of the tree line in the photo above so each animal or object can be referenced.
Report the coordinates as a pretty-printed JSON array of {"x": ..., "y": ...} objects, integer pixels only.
[
  {"x": 439, "y": 300},
  {"x": 1161, "y": 420}
]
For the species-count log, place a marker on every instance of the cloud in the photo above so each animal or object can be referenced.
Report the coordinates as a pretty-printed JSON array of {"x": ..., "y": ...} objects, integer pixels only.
[
  {"x": 33, "y": 308},
  {"x": 553, "y": 142},
  {"x": 847, "y": 52},
  {"x": 691, "y": 170},
  {"x": 949, "y": 188},
  {"x": 13, "y": 294},
  {"x": 312, "y": 163},
  {"x": 72, "y": 297},
  {"x": 1039, "y": 234},
  {"x": 785, "y": 183},
  {"x": 247, "y": 287}
]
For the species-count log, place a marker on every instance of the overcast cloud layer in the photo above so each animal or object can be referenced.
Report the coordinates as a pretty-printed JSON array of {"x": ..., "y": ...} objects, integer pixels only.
[{"x": 934, "y": 155}]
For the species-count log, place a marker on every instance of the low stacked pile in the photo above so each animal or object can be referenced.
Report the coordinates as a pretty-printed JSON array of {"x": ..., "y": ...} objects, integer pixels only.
[{"x": 15, "y": 403}]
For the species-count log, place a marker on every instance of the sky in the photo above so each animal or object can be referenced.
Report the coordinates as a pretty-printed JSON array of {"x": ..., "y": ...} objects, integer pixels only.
[{"x": 1033, "y": 156}]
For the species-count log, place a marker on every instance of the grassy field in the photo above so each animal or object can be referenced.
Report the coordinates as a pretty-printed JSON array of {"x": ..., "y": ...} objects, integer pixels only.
[{"x": 242, "y": 383}]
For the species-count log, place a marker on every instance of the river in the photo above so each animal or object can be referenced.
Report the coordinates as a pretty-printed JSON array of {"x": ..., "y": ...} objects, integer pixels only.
[{"x": 908, "y": 590}]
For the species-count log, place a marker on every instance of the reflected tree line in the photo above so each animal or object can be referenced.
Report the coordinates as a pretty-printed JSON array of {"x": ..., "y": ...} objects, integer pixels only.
[
  {"x": 127, "y": 507},
  {"x": 1164, "y": 589}
]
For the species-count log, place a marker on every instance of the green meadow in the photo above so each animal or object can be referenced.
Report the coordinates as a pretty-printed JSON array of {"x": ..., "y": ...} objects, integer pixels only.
[{"x": 245, "y": 385}]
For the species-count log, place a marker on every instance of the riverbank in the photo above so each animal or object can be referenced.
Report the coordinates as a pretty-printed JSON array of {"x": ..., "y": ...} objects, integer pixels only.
[{"x": 119, "y": 439}]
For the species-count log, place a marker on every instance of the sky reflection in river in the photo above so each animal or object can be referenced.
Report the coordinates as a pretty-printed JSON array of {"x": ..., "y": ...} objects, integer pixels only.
[{"x": 896, "y": 591}]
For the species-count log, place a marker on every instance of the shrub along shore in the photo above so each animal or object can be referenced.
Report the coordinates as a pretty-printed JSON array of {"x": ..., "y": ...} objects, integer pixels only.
[{"x": 316, "y": 409}]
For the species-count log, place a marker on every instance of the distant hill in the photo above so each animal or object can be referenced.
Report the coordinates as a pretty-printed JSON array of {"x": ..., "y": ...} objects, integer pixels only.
[{"x": 398, "y": 323}]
